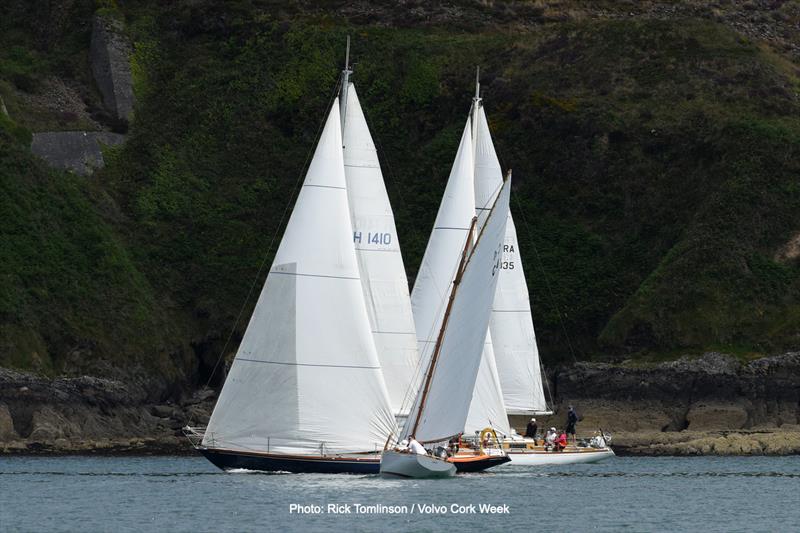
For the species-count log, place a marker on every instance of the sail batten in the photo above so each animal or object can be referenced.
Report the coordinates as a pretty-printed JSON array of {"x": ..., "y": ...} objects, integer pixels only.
[{"x": 319, "y": 388}]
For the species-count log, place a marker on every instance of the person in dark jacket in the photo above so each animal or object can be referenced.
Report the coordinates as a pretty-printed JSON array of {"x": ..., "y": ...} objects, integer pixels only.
[
  {"x": 572, "y": 419},
  {"x": 530, "y": 431}
]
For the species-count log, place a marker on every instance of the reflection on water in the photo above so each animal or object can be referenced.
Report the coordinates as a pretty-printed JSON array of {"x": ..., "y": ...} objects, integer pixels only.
[{"x": 188, "y": 494}]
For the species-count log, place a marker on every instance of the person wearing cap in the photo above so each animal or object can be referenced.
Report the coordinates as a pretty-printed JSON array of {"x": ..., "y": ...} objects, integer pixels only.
[
  {"x": 530, "y": 431},
  {"x": 572, "y": 419},
  {"x": 550, "y": 438}
]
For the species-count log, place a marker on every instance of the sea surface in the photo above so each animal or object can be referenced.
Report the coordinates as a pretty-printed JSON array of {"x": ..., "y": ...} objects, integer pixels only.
[{"x": 700, "y": 494}]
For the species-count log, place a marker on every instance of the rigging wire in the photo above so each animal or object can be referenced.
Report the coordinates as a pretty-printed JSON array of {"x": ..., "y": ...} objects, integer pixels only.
[{"x": 266, "y": 256}]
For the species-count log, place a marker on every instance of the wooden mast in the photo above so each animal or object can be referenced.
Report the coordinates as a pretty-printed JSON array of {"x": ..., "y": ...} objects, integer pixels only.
[{"x": 429, "y": 375}]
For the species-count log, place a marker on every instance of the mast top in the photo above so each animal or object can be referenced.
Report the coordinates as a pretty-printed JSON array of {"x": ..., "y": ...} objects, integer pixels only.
[
  {"x": 347, "y": 69},
  {"x": 477, "y": 83}
]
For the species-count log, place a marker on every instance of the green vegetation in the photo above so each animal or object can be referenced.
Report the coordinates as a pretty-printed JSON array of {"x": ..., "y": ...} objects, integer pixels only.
[{"x": 655, "y": 167}]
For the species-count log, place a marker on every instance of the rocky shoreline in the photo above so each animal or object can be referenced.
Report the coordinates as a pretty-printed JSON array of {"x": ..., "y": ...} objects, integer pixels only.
[{"x": 712, "y": 405}]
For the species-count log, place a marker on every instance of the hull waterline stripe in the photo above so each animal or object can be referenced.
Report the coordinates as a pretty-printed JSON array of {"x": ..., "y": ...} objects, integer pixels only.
[{"x": 305, "y": 364}]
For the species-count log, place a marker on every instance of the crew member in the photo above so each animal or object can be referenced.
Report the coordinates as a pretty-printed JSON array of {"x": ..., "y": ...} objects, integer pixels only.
[
  {"x": 530, "y": 431},
  {"x": 572, "y": 419}
]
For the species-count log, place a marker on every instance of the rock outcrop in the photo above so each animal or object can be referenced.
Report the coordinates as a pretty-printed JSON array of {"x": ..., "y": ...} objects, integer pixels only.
[
  {"x": 109, "y": 54},
  {"x": 78, "y": 151},
  {"x": 92, "y": 415},
  {"x": 708, "y": 405}
]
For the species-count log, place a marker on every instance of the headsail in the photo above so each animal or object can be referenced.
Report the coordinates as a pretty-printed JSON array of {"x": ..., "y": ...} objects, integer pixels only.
[
  {"x": 378, "y": 249},
  {"x": 441, "y": 411},
  {"x": 511, "y": 326},
  {"x": 306, "y": 378},
  {"x": 450, "y": 233}
]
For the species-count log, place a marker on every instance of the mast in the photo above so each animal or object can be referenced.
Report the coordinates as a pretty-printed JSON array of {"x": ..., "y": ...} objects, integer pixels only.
[
  {"x": 438, "y": 348},
  {"x": 345, "y": 82},
  {"x": 473, "y": 114}
]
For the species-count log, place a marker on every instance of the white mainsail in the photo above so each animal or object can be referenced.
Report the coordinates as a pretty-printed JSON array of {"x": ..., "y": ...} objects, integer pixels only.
[
  {"x": 445, "y": 245},
  {"x": 440, "y": 410},
  {"x": 511, "y": 325},
  {"x": 377, "y": 247},
  {"x": 487, "y": 408},
  {"x": 306, "y": 378}
]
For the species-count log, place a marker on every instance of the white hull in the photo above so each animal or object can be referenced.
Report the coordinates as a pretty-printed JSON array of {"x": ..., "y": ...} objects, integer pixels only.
[
  {"x": 540, "y": 458},
  {"x": 415, "y": 466}
]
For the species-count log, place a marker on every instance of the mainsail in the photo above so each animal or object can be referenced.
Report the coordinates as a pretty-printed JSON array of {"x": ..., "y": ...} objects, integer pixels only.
[
  {"x": 511, "y": 325},
  {"x": 441, "y": 406},
  {"x": 306, "y": 378},
  {"x": 378, "y": 250}
]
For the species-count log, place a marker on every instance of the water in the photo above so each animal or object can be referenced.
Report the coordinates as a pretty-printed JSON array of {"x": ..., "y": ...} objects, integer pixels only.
[{"x": 188, "y": 494}]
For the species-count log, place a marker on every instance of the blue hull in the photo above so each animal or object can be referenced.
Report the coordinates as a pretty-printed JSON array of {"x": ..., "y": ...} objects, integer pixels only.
[{"x": 230, "y": 460}]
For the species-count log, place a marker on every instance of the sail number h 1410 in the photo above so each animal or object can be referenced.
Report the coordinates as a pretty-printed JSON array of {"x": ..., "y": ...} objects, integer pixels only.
[{"x": 372, "y": 238}]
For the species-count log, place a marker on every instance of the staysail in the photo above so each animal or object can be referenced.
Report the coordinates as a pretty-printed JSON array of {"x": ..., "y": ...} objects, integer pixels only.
[
  {"x": 440, "y": 408},
  {"x": 306, "y": 378},
  {"x": 511, "y": 325},
  {"x": 377, "y": 247}
]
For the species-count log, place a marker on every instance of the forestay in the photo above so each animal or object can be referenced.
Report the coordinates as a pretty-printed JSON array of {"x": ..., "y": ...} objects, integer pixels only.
[
  {"x": 306, "y": 378},
  {"x": 452, "y": 381},
  {"x": 378, "y": 250}
]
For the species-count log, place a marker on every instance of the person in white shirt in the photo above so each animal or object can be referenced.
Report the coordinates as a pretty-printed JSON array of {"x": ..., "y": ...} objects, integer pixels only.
[
  {"x": 550, "y": 438},
  {"x": 416, "y": 447}
]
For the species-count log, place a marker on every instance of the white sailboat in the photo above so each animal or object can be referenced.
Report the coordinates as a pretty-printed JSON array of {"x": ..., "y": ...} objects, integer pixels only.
[
  {"x": 518, "y": 374},
  {"x": 306, "y": 392},
  {"x": 441, "y": 405}
]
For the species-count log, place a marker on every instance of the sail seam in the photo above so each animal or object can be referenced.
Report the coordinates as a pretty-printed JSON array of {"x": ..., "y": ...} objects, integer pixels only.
[
  {"x": 313, "y": 275},
  {"x": 510, "y": 311},
  {"x": 361, "y": 166},
  {"x": 449, "y": 227},
  {"x": 324, "y": 186},
  {"x": 307, "y": 364}
]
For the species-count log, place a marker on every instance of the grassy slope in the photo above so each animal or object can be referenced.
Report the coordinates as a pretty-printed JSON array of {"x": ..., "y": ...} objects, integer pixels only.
[{"x": 654, "y": 169}]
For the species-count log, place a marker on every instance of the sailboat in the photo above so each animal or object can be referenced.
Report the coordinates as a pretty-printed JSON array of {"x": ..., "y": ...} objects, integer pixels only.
[
  {"x": 510, "y": 378},
  {"x": 440, "y": 407},
  {"x": 306, "y": 390}
]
